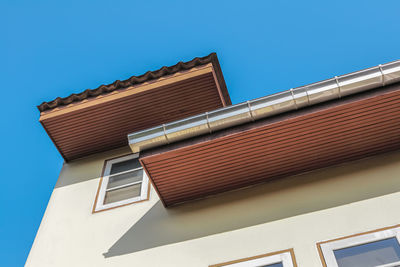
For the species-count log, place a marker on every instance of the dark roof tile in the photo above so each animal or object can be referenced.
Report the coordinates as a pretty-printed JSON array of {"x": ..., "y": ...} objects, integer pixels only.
[{"x": 134, "y": 80}]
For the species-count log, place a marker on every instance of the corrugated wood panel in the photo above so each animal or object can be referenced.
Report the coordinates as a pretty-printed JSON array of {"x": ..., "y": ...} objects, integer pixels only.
[
  {"x": 105, "y": 126},
  {"x": 315, "y": 140},
  {"x": 148, "y": 77}
]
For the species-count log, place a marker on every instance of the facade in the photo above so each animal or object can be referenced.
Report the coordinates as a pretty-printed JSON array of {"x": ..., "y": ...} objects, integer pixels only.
[{"x": 162, "y": 170}]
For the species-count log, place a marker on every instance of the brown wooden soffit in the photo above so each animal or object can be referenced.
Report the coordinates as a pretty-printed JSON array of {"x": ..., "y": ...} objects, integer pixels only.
[
  {"x": 319, "y": 136},
  {"x": 101, "y": 120},
  {"x": 135, "y": 80}
]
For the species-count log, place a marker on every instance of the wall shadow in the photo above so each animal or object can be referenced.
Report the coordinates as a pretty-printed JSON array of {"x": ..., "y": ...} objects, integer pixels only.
[
  {"x": 275, "y": 200},
  {"x": 87, "y": 168}
]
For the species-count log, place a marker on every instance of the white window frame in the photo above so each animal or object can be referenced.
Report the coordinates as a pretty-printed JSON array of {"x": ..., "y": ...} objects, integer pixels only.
[
  {"x": 104, "y": 182},
  {"x": 285, "y": 258},
  {"x": 328, "y": 247}
]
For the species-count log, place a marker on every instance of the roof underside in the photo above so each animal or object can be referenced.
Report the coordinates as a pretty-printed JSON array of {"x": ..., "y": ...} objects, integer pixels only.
[
  {"x": 137, "y": 80},
  {"x": 334, "y": 132},
  {"x": 100, "y": 119}
]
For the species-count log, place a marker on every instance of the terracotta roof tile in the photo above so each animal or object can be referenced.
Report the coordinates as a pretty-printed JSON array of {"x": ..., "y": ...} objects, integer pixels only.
[{"x": 134, "y": 80}]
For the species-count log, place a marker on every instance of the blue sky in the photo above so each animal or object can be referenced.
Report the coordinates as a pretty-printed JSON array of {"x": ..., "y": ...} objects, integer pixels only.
[{"x": 55, "y": 48}]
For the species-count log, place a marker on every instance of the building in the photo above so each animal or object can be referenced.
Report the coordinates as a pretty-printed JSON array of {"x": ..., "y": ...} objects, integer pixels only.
[{"x": 162, "y": 170}]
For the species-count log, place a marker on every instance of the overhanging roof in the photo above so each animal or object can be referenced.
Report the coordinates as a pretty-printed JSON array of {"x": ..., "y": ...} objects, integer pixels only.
[
  {"x": 331, "y": 132},
  {"x": 99, "y": 119}
]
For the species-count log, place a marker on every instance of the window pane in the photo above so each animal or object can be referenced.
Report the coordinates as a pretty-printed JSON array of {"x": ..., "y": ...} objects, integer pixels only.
[
  {"x": 125, "y": 166},
  {"x": 369, "y": 255},
  {"x": 123, "y": 193},
  {"x": 125, "y": 178},
  {"x": 279, "y": 264}
]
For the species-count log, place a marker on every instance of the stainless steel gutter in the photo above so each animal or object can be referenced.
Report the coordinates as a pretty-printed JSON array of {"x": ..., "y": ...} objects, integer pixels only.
[{"x": 256, "y": 109}]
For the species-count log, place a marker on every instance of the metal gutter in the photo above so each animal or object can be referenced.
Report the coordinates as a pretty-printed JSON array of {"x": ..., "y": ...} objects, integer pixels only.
[{"x": 259, "y": 108}]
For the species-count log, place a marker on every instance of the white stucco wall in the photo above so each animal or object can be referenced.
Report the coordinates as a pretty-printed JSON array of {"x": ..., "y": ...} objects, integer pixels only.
[{"x": 295, "y": 212}]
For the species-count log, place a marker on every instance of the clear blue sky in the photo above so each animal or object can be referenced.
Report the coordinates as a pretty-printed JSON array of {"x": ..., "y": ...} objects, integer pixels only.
[{"x": 55, "y": 48}]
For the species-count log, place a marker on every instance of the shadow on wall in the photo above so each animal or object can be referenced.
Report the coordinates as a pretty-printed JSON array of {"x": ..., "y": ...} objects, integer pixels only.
[
  {"x": 271, "y": 201},
  {"x": 88, "y": 168}
]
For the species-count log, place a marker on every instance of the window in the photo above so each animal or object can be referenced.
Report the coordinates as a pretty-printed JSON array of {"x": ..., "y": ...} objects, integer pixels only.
[
  {"x": 277, "y": 259},
  {"x": 379, "y": 248},
  {"x": 123, "y": 182}
]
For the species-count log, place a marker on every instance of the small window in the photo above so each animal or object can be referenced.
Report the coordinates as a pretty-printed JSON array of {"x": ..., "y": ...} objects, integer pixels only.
[
  {"x": 123, "y": 182},
  {"x": 375, "y": 249},
  {"x": 277, "y": 259}
]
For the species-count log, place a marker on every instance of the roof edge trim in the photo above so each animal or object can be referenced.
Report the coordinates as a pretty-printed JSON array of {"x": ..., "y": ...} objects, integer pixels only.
[
  {"x": 135, "y": 80},
  {"x": 267, "y": 106}
]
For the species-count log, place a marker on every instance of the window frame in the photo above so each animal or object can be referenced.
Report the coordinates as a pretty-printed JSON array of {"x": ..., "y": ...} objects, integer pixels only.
[
  {"x": 326, "y": 248},
  {"x": 102, "y": 189},
  {"x": 286, "y": 257}
]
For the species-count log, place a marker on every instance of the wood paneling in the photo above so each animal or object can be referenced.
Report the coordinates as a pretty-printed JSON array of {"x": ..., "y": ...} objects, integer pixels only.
[
  {"x": 316, "y": 137},
  {"x": 104, "y": 126}
]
